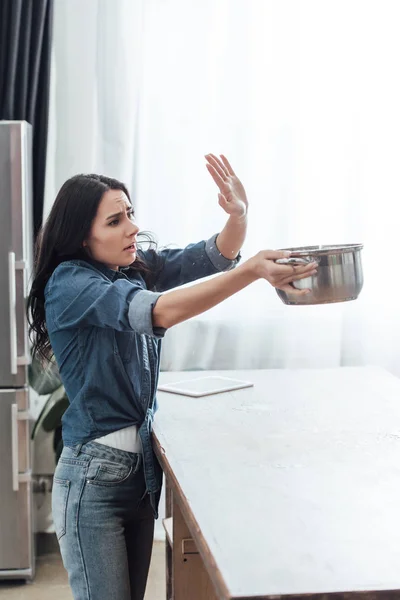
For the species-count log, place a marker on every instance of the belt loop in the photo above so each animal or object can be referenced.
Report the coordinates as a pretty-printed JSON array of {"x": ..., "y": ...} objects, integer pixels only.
[{"x": 77, "y": 449}]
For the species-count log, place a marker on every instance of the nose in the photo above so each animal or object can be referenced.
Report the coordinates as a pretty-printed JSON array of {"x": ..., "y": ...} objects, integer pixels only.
[{"x": 133, "y": 229}]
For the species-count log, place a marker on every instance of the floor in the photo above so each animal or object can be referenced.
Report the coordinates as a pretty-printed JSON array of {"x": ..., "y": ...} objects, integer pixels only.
[{"x": 51, "y": 580}]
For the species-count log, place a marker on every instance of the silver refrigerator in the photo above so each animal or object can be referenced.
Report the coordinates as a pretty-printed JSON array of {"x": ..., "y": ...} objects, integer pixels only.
[{"x": 16, "y": 239}]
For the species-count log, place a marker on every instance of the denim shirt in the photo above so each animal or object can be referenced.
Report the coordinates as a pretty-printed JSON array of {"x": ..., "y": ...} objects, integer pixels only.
[{"x": 100, "y": 327}]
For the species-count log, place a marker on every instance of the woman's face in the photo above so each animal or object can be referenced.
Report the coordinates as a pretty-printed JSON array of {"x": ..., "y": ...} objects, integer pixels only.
[{"x": 112, "y": 238}]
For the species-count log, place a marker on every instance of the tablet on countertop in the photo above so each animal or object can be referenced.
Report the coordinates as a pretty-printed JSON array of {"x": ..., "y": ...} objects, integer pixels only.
[{"x": 204, "y": 386}]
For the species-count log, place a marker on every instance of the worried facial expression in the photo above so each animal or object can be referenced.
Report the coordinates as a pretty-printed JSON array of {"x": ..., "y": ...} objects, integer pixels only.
[{"x": 112, "y": 238}]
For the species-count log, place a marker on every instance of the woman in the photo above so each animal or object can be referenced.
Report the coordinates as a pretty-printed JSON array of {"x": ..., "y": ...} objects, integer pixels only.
[{"x": 97, "y": 303}]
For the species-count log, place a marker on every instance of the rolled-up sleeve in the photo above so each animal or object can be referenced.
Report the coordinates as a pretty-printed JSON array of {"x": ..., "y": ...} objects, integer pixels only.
[
  {"x": 220, "y": 262},
  {"x": 141, "y": 311},
  {"x": 77, "y": 296}
]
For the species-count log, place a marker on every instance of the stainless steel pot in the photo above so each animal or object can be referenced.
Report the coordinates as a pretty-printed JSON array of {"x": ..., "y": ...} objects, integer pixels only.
[{"x": 339, "y": 277}]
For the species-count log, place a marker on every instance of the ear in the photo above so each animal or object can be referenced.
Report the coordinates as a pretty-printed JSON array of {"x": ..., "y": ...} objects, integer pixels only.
[{"x": 84, "y": 244}]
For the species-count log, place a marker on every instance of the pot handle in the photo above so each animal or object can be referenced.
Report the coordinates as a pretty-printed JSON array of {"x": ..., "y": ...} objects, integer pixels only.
[{"x": 295, "y": 261}]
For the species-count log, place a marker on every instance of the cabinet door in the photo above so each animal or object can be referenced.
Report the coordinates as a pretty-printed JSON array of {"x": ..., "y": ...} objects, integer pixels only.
[{"x": 16, "y": 532}]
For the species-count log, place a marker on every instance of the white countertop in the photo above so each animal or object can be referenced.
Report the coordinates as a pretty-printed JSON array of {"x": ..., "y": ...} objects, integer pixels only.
[{"x": 295, "y": 483}]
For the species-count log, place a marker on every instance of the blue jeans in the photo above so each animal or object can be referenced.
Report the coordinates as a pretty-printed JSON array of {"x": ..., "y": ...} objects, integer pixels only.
[{"x": 103, "y": 521}]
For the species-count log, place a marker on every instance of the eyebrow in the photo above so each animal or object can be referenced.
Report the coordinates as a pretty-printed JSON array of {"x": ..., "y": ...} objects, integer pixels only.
[{"x": 121, "y": 212}]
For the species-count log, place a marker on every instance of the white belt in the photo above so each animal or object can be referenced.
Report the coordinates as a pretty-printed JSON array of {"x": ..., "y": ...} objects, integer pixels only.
[{"x": 127, "y": 439}]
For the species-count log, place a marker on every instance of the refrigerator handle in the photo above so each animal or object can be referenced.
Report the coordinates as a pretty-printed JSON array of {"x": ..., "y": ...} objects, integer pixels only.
[
  {"x": 15, "y": 359},
  {"x": 14, "y": 446},
  {"x": 22, "y": 415}
]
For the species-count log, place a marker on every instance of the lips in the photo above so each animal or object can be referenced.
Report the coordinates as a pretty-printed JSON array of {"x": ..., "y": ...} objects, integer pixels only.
[{"x": 131, "y": 247}]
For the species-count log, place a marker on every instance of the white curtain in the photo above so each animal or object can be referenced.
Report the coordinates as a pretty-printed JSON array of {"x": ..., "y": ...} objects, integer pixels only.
[{"x": 303, "y": 97}]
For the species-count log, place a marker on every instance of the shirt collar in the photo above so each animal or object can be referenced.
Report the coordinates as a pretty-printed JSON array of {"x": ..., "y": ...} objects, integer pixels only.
[{"x": 109, "y": 273}]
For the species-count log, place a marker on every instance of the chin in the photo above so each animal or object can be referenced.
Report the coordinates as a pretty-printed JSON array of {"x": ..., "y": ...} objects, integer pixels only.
[{"x": 129, "y": 262}]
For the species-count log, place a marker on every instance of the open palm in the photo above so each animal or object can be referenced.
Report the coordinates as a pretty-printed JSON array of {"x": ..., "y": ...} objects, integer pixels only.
[{"x": 232, "y": 197}]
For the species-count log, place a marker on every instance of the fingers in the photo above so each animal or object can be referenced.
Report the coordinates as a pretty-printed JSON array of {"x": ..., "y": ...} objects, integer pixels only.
[
  {"x": 299, "y": 270},
  {"x": 275, "y": 254},
  {"x": 281, "y": 276},
  {"x": 216, "y": 176},
  {"x": 292, "y": 291},
  {"x": 295, "y": 272},
  {"x": 227, "y": 165},
  {"x": 218, "y": 165},
  {"x": 299, "y": 276}
]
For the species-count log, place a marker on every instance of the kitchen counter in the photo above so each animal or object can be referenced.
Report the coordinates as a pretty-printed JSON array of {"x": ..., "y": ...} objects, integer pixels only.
[{"x": 288, "y": 488}]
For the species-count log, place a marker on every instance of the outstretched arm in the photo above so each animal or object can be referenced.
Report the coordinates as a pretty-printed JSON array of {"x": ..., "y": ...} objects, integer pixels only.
[{"x": 179, "y": 305}]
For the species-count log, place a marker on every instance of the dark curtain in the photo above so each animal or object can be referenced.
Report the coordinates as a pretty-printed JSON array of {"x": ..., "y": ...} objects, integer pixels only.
[{"x": 25, "y": 49}]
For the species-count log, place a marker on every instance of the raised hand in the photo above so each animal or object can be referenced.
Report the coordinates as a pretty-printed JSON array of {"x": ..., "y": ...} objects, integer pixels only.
[{"x": 232, "y": 196}]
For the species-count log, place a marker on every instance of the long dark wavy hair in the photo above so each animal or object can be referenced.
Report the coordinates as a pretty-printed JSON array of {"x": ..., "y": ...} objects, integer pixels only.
[{"x": 61, "y": 238}]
